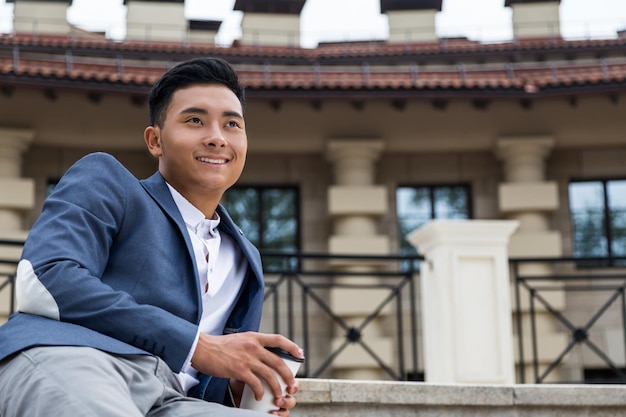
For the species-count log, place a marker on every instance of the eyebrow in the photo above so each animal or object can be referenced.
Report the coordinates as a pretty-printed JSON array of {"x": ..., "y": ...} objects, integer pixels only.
[{"x": 227, "y": 113}]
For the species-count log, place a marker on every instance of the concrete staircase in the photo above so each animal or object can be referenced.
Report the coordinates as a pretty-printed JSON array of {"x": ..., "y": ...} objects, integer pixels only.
[{"x": 342, "y": 398}]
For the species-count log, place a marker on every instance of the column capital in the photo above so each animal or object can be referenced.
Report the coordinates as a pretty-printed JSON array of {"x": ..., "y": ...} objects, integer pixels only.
[
  {"x": 524, "y": 156},
  {"x": 337, "y": 149},
  {"x": 16, "y": 138},
  {"x": 508, "y": 147},
  {"x": 470, "y": 233},
  {"x": 13, "y": 143},
  {"x": 354, "y": 159}
]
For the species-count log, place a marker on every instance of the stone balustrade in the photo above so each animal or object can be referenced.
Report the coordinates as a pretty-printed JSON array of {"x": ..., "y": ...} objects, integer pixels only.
[{"x": 343, "y": 398}]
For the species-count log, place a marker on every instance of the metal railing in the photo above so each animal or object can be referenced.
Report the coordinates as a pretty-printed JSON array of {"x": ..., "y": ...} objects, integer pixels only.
[
  {"x": 305, "y": 282},
  {"x": 545, "y": 294}
]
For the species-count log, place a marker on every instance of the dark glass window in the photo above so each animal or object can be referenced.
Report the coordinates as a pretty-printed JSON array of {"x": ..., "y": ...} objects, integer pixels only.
[
  {"x": 269, "y": 218},
  {"x": 598, "y": 210},
  {"x": 418, "y": 204}
]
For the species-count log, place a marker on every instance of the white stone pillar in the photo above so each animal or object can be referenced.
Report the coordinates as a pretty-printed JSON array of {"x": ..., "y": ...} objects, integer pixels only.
[
  {"x": 16, "y": 195},
  {"x": 465, "y": 296},
  {"x": 356, "y": 205}
]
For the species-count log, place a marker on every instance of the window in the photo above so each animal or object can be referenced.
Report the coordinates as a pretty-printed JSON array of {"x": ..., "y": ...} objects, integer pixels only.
[
  {"x": 418, "y": 204},
  {"x": 598, "y": 210},
  {"x": 51, "y": 185},
  {"x": 269, "y": 218}
]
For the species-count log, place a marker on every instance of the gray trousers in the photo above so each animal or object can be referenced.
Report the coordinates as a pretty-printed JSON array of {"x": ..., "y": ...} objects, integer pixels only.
[{"x": 85, "y": 382}]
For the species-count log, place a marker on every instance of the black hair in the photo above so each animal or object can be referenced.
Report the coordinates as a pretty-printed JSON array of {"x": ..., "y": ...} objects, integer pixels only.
[{"x": 195, "y": 71}]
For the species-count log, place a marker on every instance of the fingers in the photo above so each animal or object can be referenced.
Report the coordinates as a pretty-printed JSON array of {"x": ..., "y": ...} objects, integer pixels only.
[
  {"x": 278, "y": 366},
  {"x": 285, "y": 403},
  {"x": 244, "y": 357}
]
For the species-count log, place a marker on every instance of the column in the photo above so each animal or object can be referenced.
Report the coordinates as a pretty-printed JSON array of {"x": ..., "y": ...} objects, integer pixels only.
[
  {"x": 465, "y": 298},
  {"x": 356, "y": 205},
  {"x": 16, "y": 195},
  {"x": 527, "y": 197}
]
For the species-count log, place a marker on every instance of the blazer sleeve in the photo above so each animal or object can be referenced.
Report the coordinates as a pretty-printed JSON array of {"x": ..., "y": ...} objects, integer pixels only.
[{"x": 60, "y": 275}]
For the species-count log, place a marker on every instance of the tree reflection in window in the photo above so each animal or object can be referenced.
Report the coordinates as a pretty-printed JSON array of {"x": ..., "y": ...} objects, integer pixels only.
[
  {"x": 269, "y": 218},
  {"x": 418, "y": 204},
  {"x": 598, "y": 214}
]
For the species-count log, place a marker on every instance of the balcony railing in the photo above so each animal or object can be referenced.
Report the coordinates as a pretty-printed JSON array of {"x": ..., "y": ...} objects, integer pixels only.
[
  {"x": 299, "y": 301},
  {"x": 602, "y": 303}
]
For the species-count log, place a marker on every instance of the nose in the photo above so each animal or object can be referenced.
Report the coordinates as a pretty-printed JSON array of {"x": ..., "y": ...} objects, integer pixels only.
[{"x": 214, "y": 137}]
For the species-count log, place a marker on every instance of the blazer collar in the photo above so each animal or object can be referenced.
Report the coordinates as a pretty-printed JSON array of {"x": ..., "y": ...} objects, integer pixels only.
[{"x": 157, "y": 188}]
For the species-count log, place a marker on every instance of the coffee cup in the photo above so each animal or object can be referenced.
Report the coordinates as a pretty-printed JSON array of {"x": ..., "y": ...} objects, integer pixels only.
[{"x": 266, "y": 404}]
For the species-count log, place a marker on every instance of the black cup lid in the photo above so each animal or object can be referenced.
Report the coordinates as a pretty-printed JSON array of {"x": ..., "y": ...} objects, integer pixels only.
[{"x": 284, "y": 354}]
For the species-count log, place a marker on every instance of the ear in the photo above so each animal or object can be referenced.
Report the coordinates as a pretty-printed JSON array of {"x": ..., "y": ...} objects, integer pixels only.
[{"x": 153, "y": 140}]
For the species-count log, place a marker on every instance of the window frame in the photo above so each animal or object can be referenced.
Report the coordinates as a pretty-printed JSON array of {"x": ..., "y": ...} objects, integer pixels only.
[
  {"x": 431, "y": 193},
  {"x": 259, "y": 214},
  {"x": 612, "y": 259}
]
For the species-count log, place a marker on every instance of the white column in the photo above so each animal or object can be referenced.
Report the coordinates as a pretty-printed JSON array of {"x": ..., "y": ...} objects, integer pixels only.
[
  {"x": 356, "y": 206},
  {"x": 465, "y": 296}
]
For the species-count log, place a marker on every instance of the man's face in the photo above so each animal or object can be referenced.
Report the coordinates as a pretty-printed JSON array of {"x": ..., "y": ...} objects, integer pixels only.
[{"x": 202, "y": 144}]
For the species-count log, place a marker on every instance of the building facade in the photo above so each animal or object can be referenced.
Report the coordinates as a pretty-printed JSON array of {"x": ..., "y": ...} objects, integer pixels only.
[{"x": 361, "y": 141}]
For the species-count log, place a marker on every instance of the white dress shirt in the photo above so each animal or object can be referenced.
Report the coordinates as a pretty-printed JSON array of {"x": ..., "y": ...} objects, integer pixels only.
[{"x": 221, "y": 268}]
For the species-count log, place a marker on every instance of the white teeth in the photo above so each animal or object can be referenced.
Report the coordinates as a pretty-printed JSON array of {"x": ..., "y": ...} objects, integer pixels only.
[{"x": 212, "y": 161}]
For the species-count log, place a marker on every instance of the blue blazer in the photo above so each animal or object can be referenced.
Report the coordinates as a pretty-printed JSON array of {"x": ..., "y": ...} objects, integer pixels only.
[{"x": 109, "y": 264}]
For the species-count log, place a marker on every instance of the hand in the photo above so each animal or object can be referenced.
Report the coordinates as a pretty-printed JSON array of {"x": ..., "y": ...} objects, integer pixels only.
[
  {"x": 243, "y": 357},
  {"x": 285, "y": 403}
]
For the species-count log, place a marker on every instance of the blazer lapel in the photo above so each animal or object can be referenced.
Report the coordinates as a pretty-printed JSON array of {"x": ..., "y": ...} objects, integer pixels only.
[{"x": 159, "y": 191}]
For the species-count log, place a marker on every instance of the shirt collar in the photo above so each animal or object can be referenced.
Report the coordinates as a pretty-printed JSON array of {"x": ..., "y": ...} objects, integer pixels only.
[{"x": 194, "y": 218}]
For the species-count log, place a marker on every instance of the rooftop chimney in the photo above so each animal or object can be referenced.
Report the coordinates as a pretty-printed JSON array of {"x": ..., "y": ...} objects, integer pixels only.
[
  {"x": 411, "y": 20},
  {"x": 535, "y": 18},
  {"x": 203, "y": 31},
  {"x": 156, "y": 20},
  {"x": 41, "y": 16},
  {"x": 270, "y": 22}
]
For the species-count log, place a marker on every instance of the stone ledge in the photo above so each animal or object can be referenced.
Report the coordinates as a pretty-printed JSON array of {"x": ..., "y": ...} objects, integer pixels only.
[{"x": 330, "y": 398}]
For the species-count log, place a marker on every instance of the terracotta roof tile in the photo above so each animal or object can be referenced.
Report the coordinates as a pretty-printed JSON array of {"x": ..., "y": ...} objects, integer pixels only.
[{"x": 45, "y": 59}]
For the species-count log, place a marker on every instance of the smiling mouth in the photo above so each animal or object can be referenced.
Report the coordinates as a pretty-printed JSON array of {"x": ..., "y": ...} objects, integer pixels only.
[{"x": 217, "y": 161}]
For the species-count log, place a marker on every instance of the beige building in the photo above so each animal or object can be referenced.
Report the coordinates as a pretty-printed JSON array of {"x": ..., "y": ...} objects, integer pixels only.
[{"x": 362, "y": 142}]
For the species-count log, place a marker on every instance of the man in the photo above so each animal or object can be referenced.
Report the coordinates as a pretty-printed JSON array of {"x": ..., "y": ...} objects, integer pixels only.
[{"x": 136, "y": 296}]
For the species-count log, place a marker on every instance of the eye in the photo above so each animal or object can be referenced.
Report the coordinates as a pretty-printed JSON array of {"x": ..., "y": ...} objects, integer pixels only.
[
  {"x": 232, "y": 123},
  {"x": 194, "y": 120}
]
